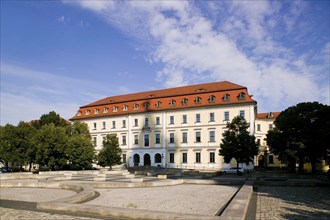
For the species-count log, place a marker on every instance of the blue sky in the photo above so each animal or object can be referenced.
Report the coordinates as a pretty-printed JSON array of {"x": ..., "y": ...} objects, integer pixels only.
[{"x": 59, "y": 55}]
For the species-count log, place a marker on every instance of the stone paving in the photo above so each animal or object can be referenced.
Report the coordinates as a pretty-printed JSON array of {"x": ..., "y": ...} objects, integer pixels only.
[
  {"x": 14, "y": 214},
  {"x": 271, "y": 202},
  {"x": 294, "y": 203}
]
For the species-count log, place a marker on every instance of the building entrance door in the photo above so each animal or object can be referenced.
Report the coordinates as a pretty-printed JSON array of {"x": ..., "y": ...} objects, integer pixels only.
[
  {"x": 136, "y": 159},
  {"x": 147, "y": 161}
]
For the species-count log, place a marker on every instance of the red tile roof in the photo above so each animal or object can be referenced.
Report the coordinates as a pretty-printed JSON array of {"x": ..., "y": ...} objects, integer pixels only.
[
  {"x": 204, "y": 91},
  {"x": 268, "y": 115}
]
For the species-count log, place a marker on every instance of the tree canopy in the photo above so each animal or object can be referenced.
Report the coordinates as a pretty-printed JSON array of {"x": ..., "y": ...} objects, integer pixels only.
[
  {"x": 237, "y": 143},
  {"x": 50, "y": 141},
  {"x": 110, "y": 154},
  {"x": 301, "y": 133}
]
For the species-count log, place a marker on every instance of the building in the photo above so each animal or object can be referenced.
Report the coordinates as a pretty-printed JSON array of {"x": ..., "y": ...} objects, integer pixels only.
[
  {"x": 265, "y": 159},
  {"x": 178, "y": 127}
]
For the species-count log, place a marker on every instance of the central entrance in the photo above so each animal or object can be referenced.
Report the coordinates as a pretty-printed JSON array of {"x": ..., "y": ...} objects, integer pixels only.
[{"x": 146, "y": 160}]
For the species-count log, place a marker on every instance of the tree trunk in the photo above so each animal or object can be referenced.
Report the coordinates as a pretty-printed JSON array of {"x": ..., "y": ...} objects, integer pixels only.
[
  {"x": 313, "y": 163},
  {"x": 301, "y": 165}
]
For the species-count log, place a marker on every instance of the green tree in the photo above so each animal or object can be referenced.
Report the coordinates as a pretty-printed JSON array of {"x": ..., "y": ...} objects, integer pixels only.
[
  {"x": 304, "y": 133},
  {"x": 237, "y": 143},
  {"x": 110, "y": 154},
  {"x": 7, "y": 146},
  {"x": 51, "y": 145},
  {"x": 50, "y": 118},
  {"x": 80, "y": 150}
]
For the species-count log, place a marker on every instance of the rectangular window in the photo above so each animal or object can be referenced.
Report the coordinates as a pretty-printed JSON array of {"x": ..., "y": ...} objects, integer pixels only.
[
  {"x": 212, "y": 157},
  {"x": 270, "y": 159},
  {"x": 212, "y": 136},
  {"x": 146, "y": 140},
  {"x": 171, "y": 119},
  {"x": 123, "y": 138},
  {"x": 157, "y": 121},
  {"x": 198, "y": 118},
  {"x": 94, "y": 126},
  {"x": 242, "y": 113},
  {"x": 136, "y": 122},
  {"x": 270, "y": 127},
  {"x": 258, "y": 127},
  {"x": 171, "y": 138},
  {"x": 198, "y": 157},
  {"x": 184, "y": 157},
  {"x": 198, "y": 136},
  {"x": 124, "y": 158},
  {"x": 113, "y": 124},
  {"x": 258, "y": 141},
  {"x": 146, "y": 122},
  {"x": 124, "y": 123},
  {"x": 226, "y": 116},
  {"x": 184, "y": 119},
  {"x": 184, "y": 137},
  {"x": 212, "y": 117},
  {"x": 103, "y": 125},
  {"x": 136, "y": 139},
  {"x": 157, "y": 137},
  {"x": 171, "y": 157},
  {"x": 94, "y": 141}
]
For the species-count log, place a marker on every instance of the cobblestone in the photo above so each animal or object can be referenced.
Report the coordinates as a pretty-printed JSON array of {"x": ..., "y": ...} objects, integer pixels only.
[{"x": 293, "y": 203}]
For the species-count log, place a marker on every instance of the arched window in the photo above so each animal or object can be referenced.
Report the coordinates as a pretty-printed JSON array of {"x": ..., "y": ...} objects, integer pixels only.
[
  {"x": 105, "y": 110},
  {"x": 125, "y": 108},
  {"x": 198, "y": 100},
  {"x": 136, "y": 106},
  {"x": 136, "y": 159},
  {"x": 184, "y": 101},
  {"x": 172, "y": 103},
  {"x": 96, "y": 111},
  {"x": 158, "y": 104},
  {"x": 87, "y": 112},
  {"x": 146, "y": 105},
  {"x": 115, "y": 109},
  {"x": 241, "y": 96},
  {"x": 212, "y": 99},
  {"x": 226, "y": 97},
  {"x": 158, "y": 158}
]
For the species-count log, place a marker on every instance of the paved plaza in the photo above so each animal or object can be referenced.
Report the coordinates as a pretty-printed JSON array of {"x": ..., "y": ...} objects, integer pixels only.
[{"x": 198, "y": 199}]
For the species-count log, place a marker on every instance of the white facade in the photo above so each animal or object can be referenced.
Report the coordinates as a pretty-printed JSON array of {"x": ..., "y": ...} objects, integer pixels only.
[{"x": 182, "y": 138}]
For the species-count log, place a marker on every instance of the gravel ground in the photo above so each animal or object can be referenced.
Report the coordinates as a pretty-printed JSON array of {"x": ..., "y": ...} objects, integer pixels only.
[
  {"x": 293, "y": 203},
  {"x": 34, "y": 194},
  {"x": 192, "y": 199}
]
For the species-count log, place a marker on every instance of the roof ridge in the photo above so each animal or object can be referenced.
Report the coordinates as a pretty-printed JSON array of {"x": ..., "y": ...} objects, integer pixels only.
[{"x": 169, "y": 92}]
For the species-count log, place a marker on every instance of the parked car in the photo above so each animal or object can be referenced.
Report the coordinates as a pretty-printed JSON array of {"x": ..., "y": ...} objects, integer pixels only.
[
  {"x": 233, "y": 170},
  {"x": 4, "y": 170}
]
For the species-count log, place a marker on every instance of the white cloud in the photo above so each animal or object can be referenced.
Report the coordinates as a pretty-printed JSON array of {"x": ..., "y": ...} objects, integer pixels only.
[
  {"x": 242, "y": 46},
  {"x": 26, "y": 94}
]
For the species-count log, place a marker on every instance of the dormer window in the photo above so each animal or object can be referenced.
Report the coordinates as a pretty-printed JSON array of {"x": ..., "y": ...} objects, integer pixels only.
[
  {"x": 198, "y": 100},
  {"x": 115, "y": 109},
  {"x": 79, "y": 113},
  {"x": 158, "y": 104},
  {"x": 212, "y": 99},
  {"x": 226, "y": 97},
  {"x": 172, "y": 103},
  {"x": 146, "y": 105},
  {"x": 270, "y": 115},
  {"x": 241, "y": 96},
  {"x": 105, "y": 110},
  {"x": 136, "y": 106},
  {"x": 87, "y": 112},
  {"x": 96, "y": 111},
  {"x": 125, "y": 108},
  {"x": 184, "y": 101}
]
